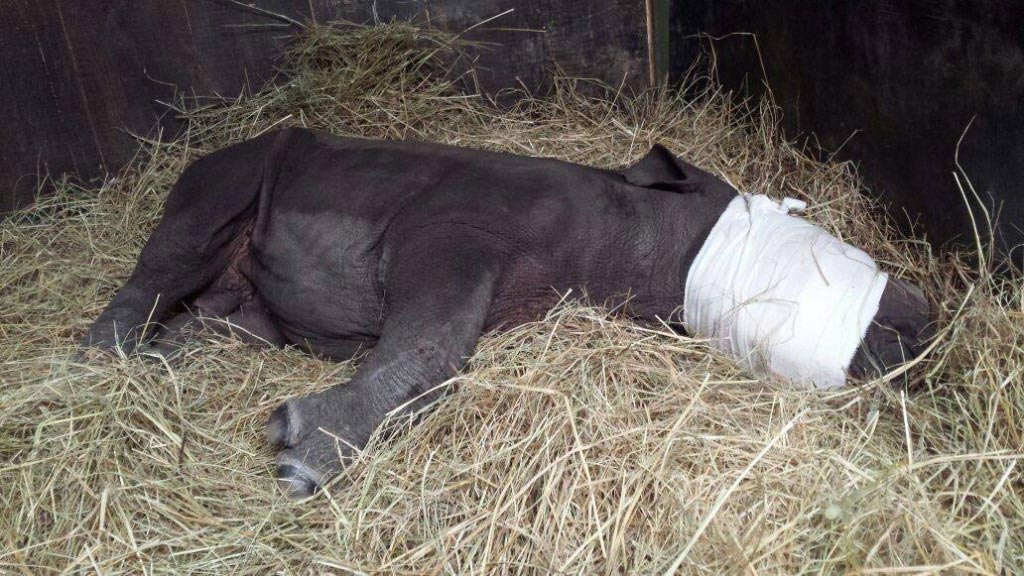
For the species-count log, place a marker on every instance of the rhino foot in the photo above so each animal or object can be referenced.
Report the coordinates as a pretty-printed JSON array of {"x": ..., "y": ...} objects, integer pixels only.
[{"x": 311, "y": 453}]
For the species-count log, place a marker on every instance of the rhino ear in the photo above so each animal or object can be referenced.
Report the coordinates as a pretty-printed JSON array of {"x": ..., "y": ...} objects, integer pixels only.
[{"x": 661, "y": 169}]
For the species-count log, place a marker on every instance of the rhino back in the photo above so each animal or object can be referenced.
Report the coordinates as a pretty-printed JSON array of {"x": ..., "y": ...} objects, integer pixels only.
[{"x": 340, "y": 207}]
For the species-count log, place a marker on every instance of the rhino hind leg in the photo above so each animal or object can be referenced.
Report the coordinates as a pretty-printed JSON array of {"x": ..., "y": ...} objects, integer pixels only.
[{"x": 201, "y": 235}]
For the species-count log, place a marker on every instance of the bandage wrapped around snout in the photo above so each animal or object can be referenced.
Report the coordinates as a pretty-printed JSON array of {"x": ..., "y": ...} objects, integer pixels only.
[{"x": 781, "y": 294}]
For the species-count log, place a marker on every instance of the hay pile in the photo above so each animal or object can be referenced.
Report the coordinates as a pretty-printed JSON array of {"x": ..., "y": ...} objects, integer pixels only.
[{"x": 580, "y": 444}]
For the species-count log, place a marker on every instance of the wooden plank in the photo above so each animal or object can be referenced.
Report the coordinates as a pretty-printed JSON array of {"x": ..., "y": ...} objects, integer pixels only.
[
  {"x": 658, "y": 44},
  {"x": 82, "y": 74},
  {"x": 531, "y": 39},
  {"x": 894, "y": 86}
]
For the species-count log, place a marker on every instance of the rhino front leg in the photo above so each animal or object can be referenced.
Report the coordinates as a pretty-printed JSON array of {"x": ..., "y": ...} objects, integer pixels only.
[
  {"x": 436, "y": 307},
  {"x": 249, "y": 322}
]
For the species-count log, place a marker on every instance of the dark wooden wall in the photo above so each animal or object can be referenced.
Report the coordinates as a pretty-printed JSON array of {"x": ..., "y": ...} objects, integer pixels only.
[
  {"x": 79, "y": 75},
  {"x": 605, "y": 40},
  {"x": 894, "y": 84}
]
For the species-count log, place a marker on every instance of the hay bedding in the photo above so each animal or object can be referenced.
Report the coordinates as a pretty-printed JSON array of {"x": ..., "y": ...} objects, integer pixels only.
[{"x": 580, "y": 444}]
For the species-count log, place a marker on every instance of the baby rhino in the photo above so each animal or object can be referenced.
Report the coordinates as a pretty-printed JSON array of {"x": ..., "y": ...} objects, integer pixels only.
[{"x": 412, "y": 251}]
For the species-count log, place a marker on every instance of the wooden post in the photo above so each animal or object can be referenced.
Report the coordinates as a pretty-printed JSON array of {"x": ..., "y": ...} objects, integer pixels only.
[{"x": 658, "y": 45}]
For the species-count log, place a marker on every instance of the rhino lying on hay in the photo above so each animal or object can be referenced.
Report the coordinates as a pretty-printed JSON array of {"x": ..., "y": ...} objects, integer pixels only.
[{"x": 416, "y": 250}]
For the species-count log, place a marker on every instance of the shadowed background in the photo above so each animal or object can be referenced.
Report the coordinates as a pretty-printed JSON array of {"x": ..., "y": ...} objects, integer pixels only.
[
  {"x": 82, "y": 76},
  {"x": 890, "y": 85}
]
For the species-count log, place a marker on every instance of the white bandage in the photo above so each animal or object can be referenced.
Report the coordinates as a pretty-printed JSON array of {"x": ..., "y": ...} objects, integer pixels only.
[{"x": 781, "y": 294}]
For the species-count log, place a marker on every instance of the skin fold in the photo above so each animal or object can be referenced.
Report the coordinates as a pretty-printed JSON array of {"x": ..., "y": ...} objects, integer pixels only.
[{"x": 412, "y": 251}]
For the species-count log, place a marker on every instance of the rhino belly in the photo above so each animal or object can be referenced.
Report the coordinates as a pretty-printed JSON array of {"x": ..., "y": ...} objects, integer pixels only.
[{"x": 317, "y": 273}]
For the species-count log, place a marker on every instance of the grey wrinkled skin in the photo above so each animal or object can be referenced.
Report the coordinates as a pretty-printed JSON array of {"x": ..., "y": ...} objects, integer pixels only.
[{"x": 412, "y": 251}]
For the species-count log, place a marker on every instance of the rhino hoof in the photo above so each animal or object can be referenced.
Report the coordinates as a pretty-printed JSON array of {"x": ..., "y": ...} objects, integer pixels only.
[
  {"x": 296, "y": 482},
  {"x": 281, "y": 427}
]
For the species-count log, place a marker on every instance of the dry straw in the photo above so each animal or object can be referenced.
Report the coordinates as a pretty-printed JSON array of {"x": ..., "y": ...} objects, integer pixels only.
[{"x": 579, "y": 444}]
